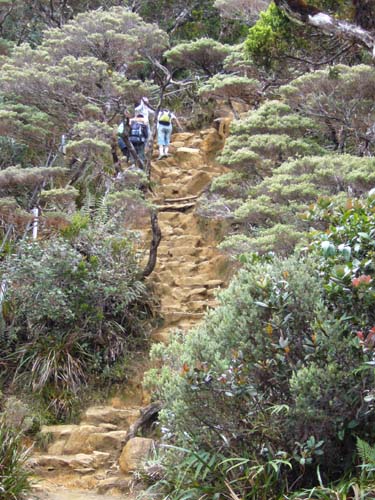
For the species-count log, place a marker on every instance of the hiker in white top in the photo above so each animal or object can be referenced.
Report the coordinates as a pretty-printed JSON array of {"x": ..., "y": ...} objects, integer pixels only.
[
  {"x": 146, "y": 110},
  {"x": 164, "y": 124}
]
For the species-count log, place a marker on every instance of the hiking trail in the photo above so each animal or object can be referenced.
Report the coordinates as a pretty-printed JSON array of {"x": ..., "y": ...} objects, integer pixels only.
[{"x": 88, "y": 461}]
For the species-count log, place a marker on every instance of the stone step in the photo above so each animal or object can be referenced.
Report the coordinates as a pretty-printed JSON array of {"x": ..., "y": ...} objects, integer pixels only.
[
  {"x": 184, "y": 239},
  {"x": 177, "y": 200},
  {"x": 175, "y": 176},
  {"x": 180, "y": 240},
  {"x": 168, "y": 303},
  {"x": 201, "y": 305},
  {"x": 110, "y": 442},
  {"x": 214, "y": 283},
  {"x": 177, "y": 264},
  {"x": 82, "y": 441},
  {"x": 183, "y": 293},
  {"x": 122, "y": 417},
  {"x": 176, "y": 207},
  {"x": 179, "y": 251},
  {"x": 197, "y": 182},
  {"x": 173, "y": 316},
  {"x": 81, "y": 462},
  {"x": 182, "y": 137},
  {"x": 191, "y": 155},
  {"x": 170, "y": 190},
  {"x": 193, "y": 294},
  {"x": 119, "y": 483},
  {"x": 200, "y": 280},
  {"x": 57, "y": 431}
]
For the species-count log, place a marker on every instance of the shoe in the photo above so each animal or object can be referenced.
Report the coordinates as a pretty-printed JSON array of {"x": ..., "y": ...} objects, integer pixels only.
[{"x": 160, "y": 157}]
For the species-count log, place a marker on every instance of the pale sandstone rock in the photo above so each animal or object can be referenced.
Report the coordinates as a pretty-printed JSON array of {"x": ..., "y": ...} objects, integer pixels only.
[
  {"x": 119, "y": 484},
  {"x": 182, "y": 251},
  {"x": 77, "y": 442},
  {"x": 80, "y": 461},
  {"x": 177, "y": 144},
  {"x": 182, "y": 136},
  {"x": 161, "y": 335},
  {"x": 214, "y": 283},
  {"x": 57, "y": 448},
  {"x": 109, "y": 442},
  {"x": 135, "y": 452},
  {"x": 195, "y": 294},
  {"x": 58, "y": 431},
  {"x": 190, "y": 158},
  {"x": 123, "y": 418},
  {"x": 197, "y": 280},
  {"x": 197, "y": 182},
  {"x": 212, "y": 142}
]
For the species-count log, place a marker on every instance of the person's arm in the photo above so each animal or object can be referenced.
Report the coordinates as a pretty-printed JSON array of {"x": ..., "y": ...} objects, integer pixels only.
[
  {"x": 174, "y": 117},
  {"x": 148, "y": 106}
]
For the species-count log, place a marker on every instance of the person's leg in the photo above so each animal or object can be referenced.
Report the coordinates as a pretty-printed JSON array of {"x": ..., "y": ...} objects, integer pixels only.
[
  {"x": 160, "y": 141},
  {"x": 167, "y": 140},
  {"x": 122, "y": 146},
  {"x": 141, "y": 151}
]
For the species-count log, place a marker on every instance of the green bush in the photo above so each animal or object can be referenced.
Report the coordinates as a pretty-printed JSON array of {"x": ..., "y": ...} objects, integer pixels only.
[
  {"x": 14, "y": 479},
  {"x": 270, "y": 36},
  {"x": 347, "y": 262},
  {"x": 71, "y": 311},
  {"x": 279, "y": 371}
]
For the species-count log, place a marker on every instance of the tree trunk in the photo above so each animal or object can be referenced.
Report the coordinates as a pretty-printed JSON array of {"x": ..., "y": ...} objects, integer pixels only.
[{"x": 156, "y": 238}]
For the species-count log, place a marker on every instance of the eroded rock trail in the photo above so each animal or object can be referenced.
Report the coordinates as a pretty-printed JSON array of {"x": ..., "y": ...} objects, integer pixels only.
[{"x": 83, "y": 460}]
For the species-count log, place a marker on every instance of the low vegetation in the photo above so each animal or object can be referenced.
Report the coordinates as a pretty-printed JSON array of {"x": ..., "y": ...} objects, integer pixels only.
[{"x": 277, "y": 383}]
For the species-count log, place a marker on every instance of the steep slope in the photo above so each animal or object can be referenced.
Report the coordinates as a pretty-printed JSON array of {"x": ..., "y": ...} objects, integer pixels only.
[{"x": 84, "y": 458}]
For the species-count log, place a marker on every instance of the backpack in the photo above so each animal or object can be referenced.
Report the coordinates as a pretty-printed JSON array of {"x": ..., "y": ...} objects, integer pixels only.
[
  {"x": 137, "y": 133},
  {"x": 165, "y": 118}
]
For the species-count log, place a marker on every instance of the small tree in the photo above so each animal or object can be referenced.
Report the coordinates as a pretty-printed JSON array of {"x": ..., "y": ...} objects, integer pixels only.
[{"x": 205, "y": 55}]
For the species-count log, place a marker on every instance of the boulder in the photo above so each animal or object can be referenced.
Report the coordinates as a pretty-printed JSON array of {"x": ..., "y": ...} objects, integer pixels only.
[{"x": 135, "y": 452}]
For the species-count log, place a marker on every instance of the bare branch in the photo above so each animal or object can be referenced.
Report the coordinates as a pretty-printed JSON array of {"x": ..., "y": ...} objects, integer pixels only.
[{"x": 306, "y": 14}]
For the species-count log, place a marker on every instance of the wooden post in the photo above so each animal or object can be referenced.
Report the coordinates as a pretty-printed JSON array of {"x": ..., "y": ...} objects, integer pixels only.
[
  {"x": 3, "y": 289},
  {"x": 35, "y": 222}
]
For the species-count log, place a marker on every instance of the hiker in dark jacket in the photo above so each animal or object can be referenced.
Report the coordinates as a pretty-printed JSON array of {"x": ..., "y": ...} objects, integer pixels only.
[{"x": 138, "y": 135}]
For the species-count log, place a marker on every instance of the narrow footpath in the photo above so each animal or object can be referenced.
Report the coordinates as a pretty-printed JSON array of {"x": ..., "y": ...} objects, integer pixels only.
[{"x": 88, "y": 461}]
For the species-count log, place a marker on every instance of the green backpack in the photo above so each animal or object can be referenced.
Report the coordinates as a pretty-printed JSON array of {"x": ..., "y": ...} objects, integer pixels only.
[{"x": 165, "y": 118}]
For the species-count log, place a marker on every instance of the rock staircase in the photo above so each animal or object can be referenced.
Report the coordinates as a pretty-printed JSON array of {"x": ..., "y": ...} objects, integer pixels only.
[
  {"x": 88, "y": 457},
  {"x": 189, "y": 268}
]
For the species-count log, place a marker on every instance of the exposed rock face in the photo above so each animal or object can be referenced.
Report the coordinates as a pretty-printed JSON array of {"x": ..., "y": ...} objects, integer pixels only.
[{"x": 135, "y": 452}]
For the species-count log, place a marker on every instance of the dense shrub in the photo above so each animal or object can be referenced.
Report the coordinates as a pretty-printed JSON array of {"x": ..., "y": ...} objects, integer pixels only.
[
  {"x": 274, "y": 379},
  {"x": 72, "y": 310}
]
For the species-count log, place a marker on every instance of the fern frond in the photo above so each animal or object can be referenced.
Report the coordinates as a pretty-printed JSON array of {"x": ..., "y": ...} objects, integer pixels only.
[{"x": 366, "y": 452}]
